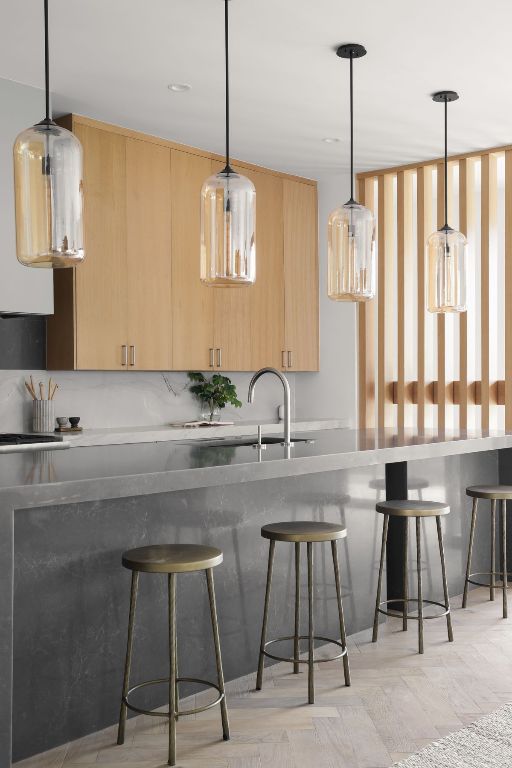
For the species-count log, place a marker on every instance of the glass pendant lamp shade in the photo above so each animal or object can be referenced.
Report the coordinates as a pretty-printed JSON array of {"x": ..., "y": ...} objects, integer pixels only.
[
  {"x": 48, "y": 189},
  {"x": 351, "y": 227},
  {"x": 48, "y": 195},
  {"x": 446, "y": 251},
  {"x": 228, "y": 230},
  {"x": 228, "y": 215},
  {"x": 351, "y": 253},
  {"x": 446, "y": 248}
]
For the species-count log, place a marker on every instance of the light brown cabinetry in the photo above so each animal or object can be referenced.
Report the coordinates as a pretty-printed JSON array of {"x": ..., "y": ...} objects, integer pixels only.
[
  {"x": 137, "y": 302},
  {"x": 300, "y": 351}
]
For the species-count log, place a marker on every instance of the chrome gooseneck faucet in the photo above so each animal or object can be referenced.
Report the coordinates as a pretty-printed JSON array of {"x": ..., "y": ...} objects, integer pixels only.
[{"x": 286, "y": 387}]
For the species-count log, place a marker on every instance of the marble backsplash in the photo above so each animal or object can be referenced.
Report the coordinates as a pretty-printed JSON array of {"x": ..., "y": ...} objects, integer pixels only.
[{"x": 130, "y": 399}]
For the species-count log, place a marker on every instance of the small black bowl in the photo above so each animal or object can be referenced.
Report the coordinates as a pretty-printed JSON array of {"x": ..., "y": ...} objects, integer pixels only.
[{"x": 74, "y": 420}]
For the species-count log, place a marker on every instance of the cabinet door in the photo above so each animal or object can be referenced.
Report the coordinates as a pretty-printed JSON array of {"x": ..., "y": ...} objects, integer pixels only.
[
  {"x": 266, "y": 298},
  {"x": 232, "y": 320},
  {"x": 301, "y": 275},
  {"x": 148, "y": 227},
  {"x": 192, "y": 301},
  {"x": 100, "y": 282}
]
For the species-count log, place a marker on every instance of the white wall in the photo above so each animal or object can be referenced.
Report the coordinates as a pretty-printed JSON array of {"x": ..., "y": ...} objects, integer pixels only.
[{"x": 333, "y": 391}]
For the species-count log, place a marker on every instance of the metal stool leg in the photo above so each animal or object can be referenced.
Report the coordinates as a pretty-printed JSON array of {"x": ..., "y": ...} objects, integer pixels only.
[
  {"x": 445, "y": 583},
  {"x": 493, "y": 549},
  {"x": 420, "y": 592},
  {"x": 504, "y": 555},
  {"x": 218, "y": 657},
  {"x": 311, "y": 660},
  {"x": 406, "y": 575},
  {"x": 296, "y": 643},
  {"x": 128, "y": 661},
  {"x": 172, "y": 668},
  {"x": 379, "y": 584},
  {"x": 470, "y": 552},
  {"x": 259, "y": 678},
  {"x": 343, "y": 636}
]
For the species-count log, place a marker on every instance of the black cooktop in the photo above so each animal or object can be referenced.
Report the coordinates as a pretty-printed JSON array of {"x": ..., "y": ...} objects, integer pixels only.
[{"x": 16, "y": 438}]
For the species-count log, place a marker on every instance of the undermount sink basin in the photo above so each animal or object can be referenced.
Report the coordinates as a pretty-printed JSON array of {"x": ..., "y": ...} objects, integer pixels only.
[{"x": 227, "y": 442}]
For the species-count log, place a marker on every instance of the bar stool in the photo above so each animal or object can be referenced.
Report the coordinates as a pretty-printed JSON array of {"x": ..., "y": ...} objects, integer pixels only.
[
  {"x": 172, "y": 559},
  {"x": 418, "y": 510},
  {"x": 298, "y": 532},
  {"x": 494, "y": 493}
]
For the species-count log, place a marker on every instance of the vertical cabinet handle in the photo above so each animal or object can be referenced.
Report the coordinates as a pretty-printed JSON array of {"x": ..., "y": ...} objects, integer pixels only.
[
  {"x": 290, "y": 360},
  {"x": 283, "y": 359},
  {"x": 219, "y": 358},
  {"x": 132, "y": 354},
  {"x": 124, "y": 355},
  {"x": 212, "y": 361}
]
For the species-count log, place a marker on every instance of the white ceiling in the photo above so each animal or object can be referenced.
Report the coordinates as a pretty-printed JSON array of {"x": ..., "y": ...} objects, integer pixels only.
[{"x": 113, "y": 59}]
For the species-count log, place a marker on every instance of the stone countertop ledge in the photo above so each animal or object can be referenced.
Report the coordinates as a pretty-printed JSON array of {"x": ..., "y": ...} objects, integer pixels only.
[{"x": 164, "y": 433}]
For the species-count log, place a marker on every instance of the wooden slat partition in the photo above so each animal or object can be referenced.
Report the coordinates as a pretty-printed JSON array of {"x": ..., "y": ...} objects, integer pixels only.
[
  {"x": 456, "y": 367},
  {"x": 487, "y": 221},
  {"x": 404, "y": 274},
  {"x": 508, "y": 289},
  {"x": 465, "y": 167},
  {"x": 386, "y": 269},
  {"x": 366, "y": 341}
]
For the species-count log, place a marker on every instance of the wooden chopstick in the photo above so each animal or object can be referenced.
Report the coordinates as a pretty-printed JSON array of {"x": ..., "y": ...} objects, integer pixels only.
[
  {"x": 30, "y": 391},
  {"x": 41, "y": 390}
]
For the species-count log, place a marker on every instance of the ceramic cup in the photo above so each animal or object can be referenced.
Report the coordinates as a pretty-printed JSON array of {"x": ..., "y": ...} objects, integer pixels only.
[{"x": 43, "y": 416}]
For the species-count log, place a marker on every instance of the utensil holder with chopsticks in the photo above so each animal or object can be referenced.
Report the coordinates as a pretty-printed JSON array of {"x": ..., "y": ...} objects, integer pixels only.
[
  {"x": 43, "y": 416},
  {"x": 43, "y": 411}
]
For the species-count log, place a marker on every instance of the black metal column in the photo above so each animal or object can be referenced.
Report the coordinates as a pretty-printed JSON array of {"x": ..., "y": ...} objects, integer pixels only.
[{"x": 396, "y": 488}]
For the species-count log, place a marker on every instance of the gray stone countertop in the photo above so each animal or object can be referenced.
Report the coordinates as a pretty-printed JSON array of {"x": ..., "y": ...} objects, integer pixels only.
[{"x": 102, "y": 472}]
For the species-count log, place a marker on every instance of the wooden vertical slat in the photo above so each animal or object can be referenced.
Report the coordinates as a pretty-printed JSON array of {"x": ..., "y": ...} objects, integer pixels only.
[
  {"x": 465, "y": 188},
  {"x": 488, "y": 206},
  {"x": 366, "y": 340},
  {"x": 441, "y": 319},
  {"x": 404, "y": 308},
  {"x": 508, "y": 290},
  {"x": 385, "y": 302},
  {"x": 425, "y": 333}
]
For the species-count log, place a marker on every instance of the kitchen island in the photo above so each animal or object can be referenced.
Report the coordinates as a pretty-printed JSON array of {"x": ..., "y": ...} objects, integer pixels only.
[{"x": 66, "y": 516}]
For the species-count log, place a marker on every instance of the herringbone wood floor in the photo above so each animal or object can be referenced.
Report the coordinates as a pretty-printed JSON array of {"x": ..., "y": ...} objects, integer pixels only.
[{"x": 399, "y": 701}]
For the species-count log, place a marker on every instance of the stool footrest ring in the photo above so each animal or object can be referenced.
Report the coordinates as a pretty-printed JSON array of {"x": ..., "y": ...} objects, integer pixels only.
[
  {"x": 178, "y": 712},
  {"x": 293, "y": 660},
  {"x": 470, "y": 579},
  {"x": 398, "y": 614}
]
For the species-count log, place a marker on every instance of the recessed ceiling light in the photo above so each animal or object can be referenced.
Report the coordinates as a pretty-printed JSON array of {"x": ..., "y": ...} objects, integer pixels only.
[
  {"x": 179, "y": 87},
  {"x": 331, "y": 139}
]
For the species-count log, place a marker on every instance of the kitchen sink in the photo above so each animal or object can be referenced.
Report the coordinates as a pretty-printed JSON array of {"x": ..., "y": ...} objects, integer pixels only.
[{"x": 229, "y": 442}]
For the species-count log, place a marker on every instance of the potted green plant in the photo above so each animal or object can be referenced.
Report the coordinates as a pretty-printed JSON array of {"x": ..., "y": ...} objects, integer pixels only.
[{"x": 214, "y": 393}]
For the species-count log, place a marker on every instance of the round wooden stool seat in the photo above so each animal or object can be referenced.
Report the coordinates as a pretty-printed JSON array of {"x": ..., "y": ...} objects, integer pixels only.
[
  {"x": 172, "y": 558},
  {"x": 413, "y": 508},
  {"x": 503, "y": 492},
  {"x": 306, "y": 531}
]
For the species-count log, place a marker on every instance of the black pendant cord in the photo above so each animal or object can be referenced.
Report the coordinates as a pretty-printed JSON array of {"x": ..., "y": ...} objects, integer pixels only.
[
  {"x": 46, "y": 64},
  {"x": 445, "y": 164},
  {"x": 351, "y": 127},
  {"x": 226, "y": 48}
]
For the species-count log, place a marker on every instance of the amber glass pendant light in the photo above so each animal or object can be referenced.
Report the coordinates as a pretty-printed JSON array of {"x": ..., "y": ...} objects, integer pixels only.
[
  {"x": 48, "y": 190},
  {"x": 446, "y": 248},
  {"x": 228, "y": 216},
  {"x": 351, "y": 227}
]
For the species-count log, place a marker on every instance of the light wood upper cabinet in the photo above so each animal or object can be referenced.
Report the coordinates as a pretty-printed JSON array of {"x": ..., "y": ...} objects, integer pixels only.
[
  {"x": 148, "y": 267},
  {"x": 301, "y": 275},
  {"x": 192, "y": 301},
  {"x": 232, "y": 318},
  {"x": 137, "y": 301},
  {"x": 101, "y": 282}
]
